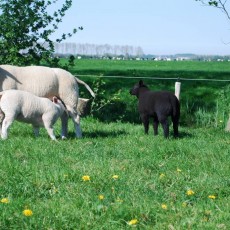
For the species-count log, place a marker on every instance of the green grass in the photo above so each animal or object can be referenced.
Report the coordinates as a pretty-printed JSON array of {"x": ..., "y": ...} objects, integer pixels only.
[{"x": 46, "y": 177}]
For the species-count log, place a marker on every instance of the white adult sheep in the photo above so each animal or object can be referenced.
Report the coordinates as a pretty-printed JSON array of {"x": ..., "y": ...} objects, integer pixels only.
[
  {"x": 26, "y": 107},
  {"x": 46, "y": 82}
]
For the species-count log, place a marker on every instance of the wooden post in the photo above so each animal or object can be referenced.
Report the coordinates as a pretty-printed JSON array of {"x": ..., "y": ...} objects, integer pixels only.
[
  {"x": 227, "y": 128},
  {"x": 177, "y": 88}
]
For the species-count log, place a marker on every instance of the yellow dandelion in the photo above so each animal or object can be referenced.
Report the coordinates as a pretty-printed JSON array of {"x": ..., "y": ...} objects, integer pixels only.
[
  {"x": 190, "y": 192},
  {"x": 184, "y": 204},
  {"x": 164, "y": 206},
  {"x": 133, "y": 222},
  {"x": 119, "y": 200},
  {"x": 86, "y": 178},
  {"x": 5, "y": 200},
  {"x": 115, "y": 177},
  {"x": 212, "y": 197},
  {"x": 162, "y": 175},
  {"x": 178, "y": 170},
  {"x": 101, "y": 197},
  {"x": 27, "y": 212},
  {"x": 207, "y": 212}
]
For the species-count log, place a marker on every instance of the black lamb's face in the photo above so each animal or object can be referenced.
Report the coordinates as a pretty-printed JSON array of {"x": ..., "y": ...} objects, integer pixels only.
[{"x": 136, "y": 87}]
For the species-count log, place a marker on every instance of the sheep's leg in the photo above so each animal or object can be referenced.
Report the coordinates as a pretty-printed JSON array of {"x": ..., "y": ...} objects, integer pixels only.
[
  {"x": 76, "y": 120},
  {"x": 64, "y": 123},
  {"x": 5, "y": 126},
  {"x": 78, "y": 127},
  {"x": 145, "y": 120}
]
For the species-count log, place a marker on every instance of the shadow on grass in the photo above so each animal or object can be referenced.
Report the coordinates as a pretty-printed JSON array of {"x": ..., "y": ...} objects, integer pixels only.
[
  {"x": 96, "y": 134},
  {"x": 184, "y": 134}
]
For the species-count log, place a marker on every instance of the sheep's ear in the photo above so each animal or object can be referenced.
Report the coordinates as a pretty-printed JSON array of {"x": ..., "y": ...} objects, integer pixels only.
[
  {"x": 55, "y": 100},
  {"x": 141, "y": 83}
]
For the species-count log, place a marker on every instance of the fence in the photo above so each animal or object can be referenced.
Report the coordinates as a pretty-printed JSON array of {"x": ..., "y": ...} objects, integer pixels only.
[{"x": 178, "y": 83}]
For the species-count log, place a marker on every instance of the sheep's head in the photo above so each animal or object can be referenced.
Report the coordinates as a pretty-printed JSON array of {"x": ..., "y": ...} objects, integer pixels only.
[{"x": 84, "y": 106}]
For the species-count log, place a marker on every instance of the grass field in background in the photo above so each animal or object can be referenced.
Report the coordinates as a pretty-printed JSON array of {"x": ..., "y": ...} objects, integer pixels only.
[{"x": 116, "y": 177}]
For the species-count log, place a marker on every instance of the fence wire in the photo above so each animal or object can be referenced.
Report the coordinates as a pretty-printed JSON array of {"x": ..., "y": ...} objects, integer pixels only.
[{"x": 157, "y": 78}]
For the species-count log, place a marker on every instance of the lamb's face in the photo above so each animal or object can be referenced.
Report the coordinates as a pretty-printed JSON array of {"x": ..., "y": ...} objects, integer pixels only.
[{"x": 135, "y": 89}]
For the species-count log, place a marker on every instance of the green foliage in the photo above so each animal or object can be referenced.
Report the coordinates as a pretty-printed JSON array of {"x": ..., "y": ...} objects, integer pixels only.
[
  {"x": 223, "y": 5},
  {"x": 106, "y": 106},
  {"x": 209, "y": 2},
  {"x": 26, "y": 27},
  {"x": 46, "y": 177}
]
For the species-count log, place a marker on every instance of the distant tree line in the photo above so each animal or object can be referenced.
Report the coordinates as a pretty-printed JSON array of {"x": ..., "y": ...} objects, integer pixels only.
[{"x": 97, "y": 50}]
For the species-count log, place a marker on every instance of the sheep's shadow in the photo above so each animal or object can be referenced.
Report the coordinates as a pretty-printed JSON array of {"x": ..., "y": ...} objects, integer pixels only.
[
  {"x": 184, "y": 134},
  {"x": 98, "y": 133}
]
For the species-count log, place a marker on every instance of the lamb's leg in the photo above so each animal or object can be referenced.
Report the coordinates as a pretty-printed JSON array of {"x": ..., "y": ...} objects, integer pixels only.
[
  {"x": 175, "y": 121},
  {"x": 49, "y": 121},
  {"x": 155, "y": 125},
  {"x": 145, "y": 120},
  {"x": 5, "y": 125},
  {"x": 2, "y": 116},
  {"x": 165, "y": 126},
  {"x": 50, "y": 131}
]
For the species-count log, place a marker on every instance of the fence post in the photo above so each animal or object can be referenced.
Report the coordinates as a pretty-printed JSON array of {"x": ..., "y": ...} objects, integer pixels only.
[
  {"x": 177, "y": 88},
  {"x": 227, "y": 128}
]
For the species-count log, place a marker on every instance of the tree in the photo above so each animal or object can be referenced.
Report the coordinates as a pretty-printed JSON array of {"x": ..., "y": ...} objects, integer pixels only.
[
  {"x": 26, "y": 27},
  {"x": 223, "y": 5}
]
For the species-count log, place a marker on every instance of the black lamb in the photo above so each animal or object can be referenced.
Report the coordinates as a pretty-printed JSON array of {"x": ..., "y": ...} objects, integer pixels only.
[{"x": 159, "y": 105}]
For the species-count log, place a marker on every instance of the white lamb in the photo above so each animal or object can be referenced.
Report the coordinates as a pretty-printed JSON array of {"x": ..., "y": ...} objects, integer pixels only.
[{"x": 26, "y": 107}]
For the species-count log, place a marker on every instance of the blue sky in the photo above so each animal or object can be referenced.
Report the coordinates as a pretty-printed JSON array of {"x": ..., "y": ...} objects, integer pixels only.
[{"x": 159, "y": 27}]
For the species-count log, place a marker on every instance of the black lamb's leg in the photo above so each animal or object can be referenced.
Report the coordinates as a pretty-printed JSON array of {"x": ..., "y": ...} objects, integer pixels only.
[
  {"x": 165, "y": 126},
  {"x": 145, "y": 120},
  {"x": 155, "y": 125},
  {"x": 175, "y": 121}
]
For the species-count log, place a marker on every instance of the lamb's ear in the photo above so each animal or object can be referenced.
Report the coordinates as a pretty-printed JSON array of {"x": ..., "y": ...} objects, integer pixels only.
[
  {"x": 141, "y": 83},
  {"x": 55, "y": 100}
]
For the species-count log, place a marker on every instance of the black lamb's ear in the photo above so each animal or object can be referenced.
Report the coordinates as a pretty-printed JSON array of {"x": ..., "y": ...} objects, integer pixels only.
[{"x": 141, "y": 83}]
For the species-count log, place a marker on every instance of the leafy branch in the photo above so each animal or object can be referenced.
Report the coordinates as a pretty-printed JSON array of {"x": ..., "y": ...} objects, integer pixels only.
[
  {"x": 220, "y": 4},
  {"x": 26, "y": 27}
]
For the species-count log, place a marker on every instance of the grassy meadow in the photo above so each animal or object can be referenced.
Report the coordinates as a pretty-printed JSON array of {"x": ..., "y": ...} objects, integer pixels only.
[{"x": 116, "y": 177}]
